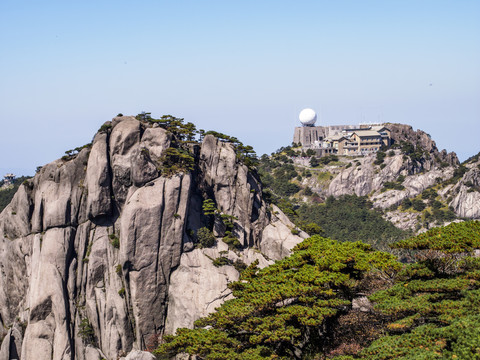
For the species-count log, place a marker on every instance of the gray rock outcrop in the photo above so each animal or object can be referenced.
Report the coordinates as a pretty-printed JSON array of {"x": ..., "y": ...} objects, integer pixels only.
[
  {"x": 466, "y": 192},
  {"x": 98, "y": 252}
]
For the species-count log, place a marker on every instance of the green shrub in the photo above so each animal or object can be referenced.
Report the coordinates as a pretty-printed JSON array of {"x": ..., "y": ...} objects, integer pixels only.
[
  {"x": 393, "y": 185},
  {"x": 105, "y": 127},
  {"x": 406, "y": 203},
  {"x": 205, "y": 237},
  {"x": 175, "y": 160},
  {"x": 114, "y": 240},
  {"x": 380, "y": 158},
  {"x": 121, "y": 292},
  {"x": 418, "y": 205},
  {"x": 239, "y": 265},
  {"x": 295, "y": 301},
  {"x": 222, "y": 261},
  {"x": 325, "y": 160},
  {"x": 231, "y": 241},
  {"x": 312, "y": 229},
  {"x": 314, "y": 162},
  {"x": 86, "y": 333}
]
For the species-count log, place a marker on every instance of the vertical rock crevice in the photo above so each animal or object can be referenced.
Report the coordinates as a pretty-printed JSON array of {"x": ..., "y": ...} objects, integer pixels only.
[{"x": 88, "y": 259}]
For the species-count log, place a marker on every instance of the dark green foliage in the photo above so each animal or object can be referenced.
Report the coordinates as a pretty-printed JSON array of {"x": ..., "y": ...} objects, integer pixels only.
[
  {"x": 114, "y": 240},
  {"x": 307, "y": 191},
  {"x": 245, "y": 153},
  {"x": 278, "y": 178},
  {"x": 429, "y": 194},
  {"x": 414, "y": 152},
  {"x": 433, "y": 307},
  {"x": 406, "y": 203},
  {"x": 313, "y": 229},
  {"x": 183, "y": 132},
  {"x": 6, "y": 195},
  {"x": 105, "y": 127},
  {"x": 388, "y": 185},
  {"x": 222, "y": 261},
  {"x": 205, "y": 237},
  {"x": 454, "y": 238},
  {"x": 175, "y": 160},
  {"x": 395, "y": 185},
  {"x": 314, "y": 162},
  {"x": 231, "y": 241},
  {"x": 325, "y": 160},
  {"x": 380, "y": 157},
  {"x": 277, "y": 311},
  {"x": 86, "y": 333},
  {"x": 350, "y": 218},
  {"x": 209, "y": 207},
  {"x": 457, "y": 174},
  {"x": 418, "y": 205},
  {"x": 238, "y": 264},
  {"x": 436, "y": 204}
]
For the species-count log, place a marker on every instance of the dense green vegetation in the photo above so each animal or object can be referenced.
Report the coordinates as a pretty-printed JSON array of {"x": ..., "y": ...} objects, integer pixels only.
[
  {"x": 287, "y": 310},
  {"x": 351, "y": 218},
  {"x": 434, "y": 305},
  {"x": 348, "y": 217},
  {"x": 301, "y": 307},
  {"x": 6, "y": 194}
]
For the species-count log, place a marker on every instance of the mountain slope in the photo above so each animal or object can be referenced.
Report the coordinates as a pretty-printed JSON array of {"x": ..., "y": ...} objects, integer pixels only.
[
  {"x": 412, "y": 183},
  {"x": 90, "y": 246}
]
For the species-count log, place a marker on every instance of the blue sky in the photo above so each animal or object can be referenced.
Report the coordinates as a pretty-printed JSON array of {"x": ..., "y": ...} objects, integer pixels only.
[{"x": 245, "y": 68}]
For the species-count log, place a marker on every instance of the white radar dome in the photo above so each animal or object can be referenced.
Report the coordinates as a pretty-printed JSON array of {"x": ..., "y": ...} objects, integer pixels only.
[{"x": 307, "y": 117}]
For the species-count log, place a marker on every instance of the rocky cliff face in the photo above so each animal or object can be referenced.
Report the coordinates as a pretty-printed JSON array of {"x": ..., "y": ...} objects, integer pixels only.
[
  {"x": 366, "y": 178},
  {"x": 465, "y": 194},
  {"x": 423, "y": 141},
  {"x": 98, "y": 251},
  {"x": 416, "y": 158}
]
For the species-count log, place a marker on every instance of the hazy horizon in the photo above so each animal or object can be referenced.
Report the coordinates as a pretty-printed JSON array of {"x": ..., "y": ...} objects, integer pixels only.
[{"x": 244, "y": 69}]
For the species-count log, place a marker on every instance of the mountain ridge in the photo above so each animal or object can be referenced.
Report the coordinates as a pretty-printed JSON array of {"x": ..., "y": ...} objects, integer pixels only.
[{"x": 88, "y": 247}]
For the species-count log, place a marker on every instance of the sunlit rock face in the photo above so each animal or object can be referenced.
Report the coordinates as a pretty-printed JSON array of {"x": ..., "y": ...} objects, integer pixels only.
[{"x": 98, "y": 255}]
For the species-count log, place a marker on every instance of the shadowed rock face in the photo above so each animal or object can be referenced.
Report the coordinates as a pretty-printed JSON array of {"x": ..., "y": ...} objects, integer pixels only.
[{"x": 88, "y": 247}]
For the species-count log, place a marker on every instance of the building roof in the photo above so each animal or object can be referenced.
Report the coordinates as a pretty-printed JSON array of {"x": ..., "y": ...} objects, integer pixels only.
[
  {"x": 364, "y": 133},
  {"x": 335, "y": 137},
  {"x": 379, "y": 128}
]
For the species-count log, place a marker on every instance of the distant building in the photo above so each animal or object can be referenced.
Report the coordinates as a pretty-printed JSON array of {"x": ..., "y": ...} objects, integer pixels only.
[
  {"x": 8, "y": 179},
  {"x": 352, "y": 140}
]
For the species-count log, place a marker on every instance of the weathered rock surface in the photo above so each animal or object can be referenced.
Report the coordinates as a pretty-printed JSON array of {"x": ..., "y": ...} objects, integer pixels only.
[
  {"x": 421, "y": 172},
  {"x": 405, "y": 133},
  {"x": 98, "y": 254},
  {"x": 466, "y": 193},
  {"x": 413, "y": 185},
  {"x": 277, "y": 236},
  {"x": 369, "y": 179}
]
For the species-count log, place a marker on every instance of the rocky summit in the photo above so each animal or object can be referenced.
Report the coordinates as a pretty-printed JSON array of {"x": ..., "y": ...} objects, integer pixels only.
[{"x": 99, "y": 252}]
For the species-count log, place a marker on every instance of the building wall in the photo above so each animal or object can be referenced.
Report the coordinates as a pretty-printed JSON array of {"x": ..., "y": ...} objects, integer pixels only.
[{"x": 307, "y": 135}]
